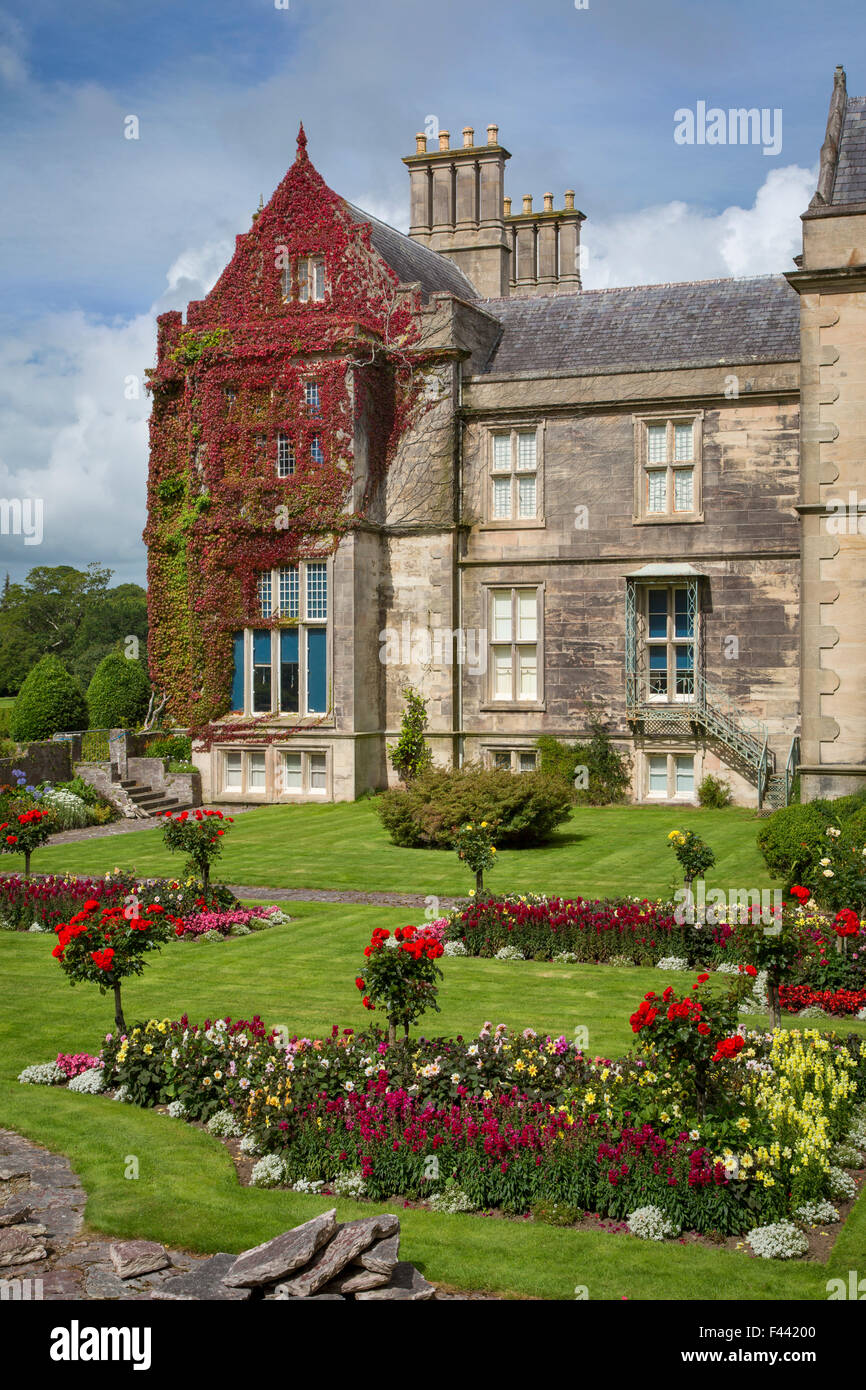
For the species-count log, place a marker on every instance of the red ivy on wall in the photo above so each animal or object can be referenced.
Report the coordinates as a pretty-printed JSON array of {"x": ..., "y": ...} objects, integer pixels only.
[{"x": 225, "y": 385}]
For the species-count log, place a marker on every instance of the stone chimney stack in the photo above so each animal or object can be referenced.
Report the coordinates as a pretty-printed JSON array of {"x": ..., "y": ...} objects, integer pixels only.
[
  {"x": 457, "y": 206},
  {"x": 545, "y": 247}
]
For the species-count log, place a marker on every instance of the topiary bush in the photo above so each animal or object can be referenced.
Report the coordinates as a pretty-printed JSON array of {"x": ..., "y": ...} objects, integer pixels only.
[
  {"x": 527, "y": 807},
  {"x": 118, "y": 693},
  {"x": 49, "y": 702}
]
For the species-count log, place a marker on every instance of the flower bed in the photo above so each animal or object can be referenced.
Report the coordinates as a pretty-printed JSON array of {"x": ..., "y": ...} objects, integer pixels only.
[
  {"x": 542, "y": 928},
  {"x": 54, "y": 899},
  {"x": 237, "y": 923},
  {"x": 512, "y": 1121},
  {"x": 832, "y": 1001}
]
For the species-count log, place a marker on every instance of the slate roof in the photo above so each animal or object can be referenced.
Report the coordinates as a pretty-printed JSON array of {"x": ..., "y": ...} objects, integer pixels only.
[
  {"x": 412, "y": 262},
  {"x": 850, "y": 184},
  {"x": 697, "y": 323}
]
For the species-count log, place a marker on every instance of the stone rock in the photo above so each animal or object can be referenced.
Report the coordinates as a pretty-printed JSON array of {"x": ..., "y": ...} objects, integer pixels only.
[
  {"x": 103, "y": 1283},
  {"x": 9, "y": 1170},
  {"x": 132, "y": 1258},
  {"x": 353, "y": 1280},
  {"x": 18, "y": 1248},
  {"x": 382, "y": 1256},
  {"x": 349, "y": 1241},
  {"x": 15, "y": 1211},
  {"x": 205, "y": 1280},
  {"x": 272, "y": 1261},
  {"x": 406, "y": 1284},
  {"x": 33, "y": 1228}
]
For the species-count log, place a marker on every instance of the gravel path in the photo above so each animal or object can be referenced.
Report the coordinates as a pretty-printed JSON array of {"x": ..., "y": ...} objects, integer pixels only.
[{"x": 341, "y": 895}]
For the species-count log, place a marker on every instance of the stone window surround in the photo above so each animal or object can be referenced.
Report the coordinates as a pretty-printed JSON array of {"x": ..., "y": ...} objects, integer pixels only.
[
  {"x": 490, "y": 704},
  {"x": 301, "y": 625},
  {"x": 671, "y": 754},
  {"x": 489, "y": 752},
  {"x": 641, "y": 517},
  {"x": 491, "y": 523},
  {"x": 271, "y": 791}
]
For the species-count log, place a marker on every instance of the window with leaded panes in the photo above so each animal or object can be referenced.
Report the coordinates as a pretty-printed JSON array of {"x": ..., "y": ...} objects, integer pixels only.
[
  {"x": 668, "y": 469},
  {"x": 285, "y": 455},
  {"x": 514, "y": 645},
  {"x": 514, "y": 485},
  {"x": 284, "y": 669}
]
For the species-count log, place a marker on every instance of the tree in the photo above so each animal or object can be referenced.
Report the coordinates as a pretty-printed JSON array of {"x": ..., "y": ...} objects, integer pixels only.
[
  {"x": 199, "y": 836},
  {"x": 474, "y": 845},
  {"x": 118, "y": 694},
  {"x": 102, "y": 945},
  {"x": 410, "y": 756},
  {"x": 401, "y": 975},
  {"x": 49, "y": 702},
  {"x": 26, "y": 832}
]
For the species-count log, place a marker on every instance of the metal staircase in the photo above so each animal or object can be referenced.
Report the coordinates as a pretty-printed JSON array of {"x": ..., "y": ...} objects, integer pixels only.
[{"x": 745, "y": 739}]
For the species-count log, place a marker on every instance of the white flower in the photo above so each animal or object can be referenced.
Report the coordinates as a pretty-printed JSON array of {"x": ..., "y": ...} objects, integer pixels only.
[
  {"x": 831, "y": 830},
  {"x": 828, "y": 873},
  {"x": 348, "y": 1086},
  {"x": 455, "y": 1078},
  {"x": 825, "y": 862}
]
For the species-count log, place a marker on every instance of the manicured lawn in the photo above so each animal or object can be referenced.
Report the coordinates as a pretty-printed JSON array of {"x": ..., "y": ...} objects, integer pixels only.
[
  {"x": 301, "y": 975},
  {"x": 600, "y": 851}
]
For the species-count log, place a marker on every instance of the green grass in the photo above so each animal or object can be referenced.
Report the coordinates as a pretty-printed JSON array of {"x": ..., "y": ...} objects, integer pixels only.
[
  {"x": 301, "y": 975},
  {"x": 600, "y": 851}
]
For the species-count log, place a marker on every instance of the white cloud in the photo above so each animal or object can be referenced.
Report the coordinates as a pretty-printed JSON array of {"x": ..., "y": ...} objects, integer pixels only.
[
  {"x": 674, "y": 241},
  {"x": 73, "y": 421}
]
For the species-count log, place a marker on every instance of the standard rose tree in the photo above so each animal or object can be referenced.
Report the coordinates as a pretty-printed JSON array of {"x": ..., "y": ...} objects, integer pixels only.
[
  {"x": 401, "y": 975},
  {"x": 199, "y": 834},
  {"x": 475, "y": 847},
  {"x": 103, "y": 945},
  {"x": 24, "y": 833}
]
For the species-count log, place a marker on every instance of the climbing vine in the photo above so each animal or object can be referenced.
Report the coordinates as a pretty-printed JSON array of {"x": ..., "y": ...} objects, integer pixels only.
[{"x": 226, "y": 385}]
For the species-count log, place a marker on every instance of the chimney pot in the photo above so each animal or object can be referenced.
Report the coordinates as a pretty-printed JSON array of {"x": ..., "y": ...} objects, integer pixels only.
[
  {"x": 506, "y": 203},
  {"x": 420, "y": 143},
  {"x": 569, "y": 200},
  {"x": 493, "y": 135},
  {"x": 468, "y": 137},
  {"x": 548, "y": 202},
  {"x": 527, "y": 202},
  {"x": 444, "y": 139}
]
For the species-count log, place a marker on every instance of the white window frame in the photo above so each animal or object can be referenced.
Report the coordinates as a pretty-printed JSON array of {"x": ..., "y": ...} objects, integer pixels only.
[
  {"x": 513, "y": 473},
  {"x": 285, "y": 454},
  {"x": 306, "y": 754},
  {"x": 670, "y": 755},
  {"x": 670, "y": 466},
  {"x": 246, "y": 789},
  {"x": 515, "y": 700}
]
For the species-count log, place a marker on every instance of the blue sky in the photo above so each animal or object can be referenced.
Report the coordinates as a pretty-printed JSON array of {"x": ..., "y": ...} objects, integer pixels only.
[{"x": 99, "y": 232}]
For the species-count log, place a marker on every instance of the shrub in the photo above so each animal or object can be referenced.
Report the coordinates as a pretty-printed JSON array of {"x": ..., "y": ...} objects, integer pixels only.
[
  {"x": 608, "y": 771},
  {"x": 49, "y": 702},
  {"x": 103, "y": 946},
  {"x": 475, "y": 847},
  {"x": 68, "y": 811},
  {"x": 557, "y": 1213},
  {"x": 793, "y": 840},
  {"x": 651, "y": 1223},
  {"x": 527, "y": 807},
  {"x": 401, "y": 980},
  {"x": 174, "y": 746},
  {"x": 25, "y": 832},
  {"x": 411, "y": 756},
  {"x": 714, "y": 793},
  {"x": 781, "y": 1240},
  {"x": 118, "y": 694},
  {"x": 693, "y": 855}
]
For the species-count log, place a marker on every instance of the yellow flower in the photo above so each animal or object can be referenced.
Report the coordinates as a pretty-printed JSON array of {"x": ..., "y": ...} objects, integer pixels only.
[{"x": 148, "y": 1049}]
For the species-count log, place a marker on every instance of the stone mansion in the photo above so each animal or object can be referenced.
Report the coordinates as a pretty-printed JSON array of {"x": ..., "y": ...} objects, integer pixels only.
[{"x": 436, "y": 460}]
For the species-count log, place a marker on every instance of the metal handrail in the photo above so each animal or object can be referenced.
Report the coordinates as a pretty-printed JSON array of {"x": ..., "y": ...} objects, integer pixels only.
[{"x": 791, "y": 765}]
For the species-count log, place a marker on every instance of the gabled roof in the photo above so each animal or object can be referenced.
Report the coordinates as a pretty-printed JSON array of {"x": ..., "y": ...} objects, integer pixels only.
[
  {"x": 411, "y": 261},
  {"x": 697, "y": 323},
  {"x": 850, "y": 183}
]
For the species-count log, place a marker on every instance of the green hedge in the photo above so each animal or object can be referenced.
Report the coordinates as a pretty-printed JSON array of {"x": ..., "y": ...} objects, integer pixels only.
[
  {"x": 118, "y": 694},
  {"x": 794, "y": 838},
  {"x": 527, "y": 806},
  {"x": 49, "y": 702}
]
